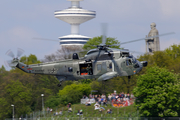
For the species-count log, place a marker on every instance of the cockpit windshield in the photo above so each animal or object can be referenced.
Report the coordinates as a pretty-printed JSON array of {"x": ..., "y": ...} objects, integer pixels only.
[{"x": 133, "y": 59}]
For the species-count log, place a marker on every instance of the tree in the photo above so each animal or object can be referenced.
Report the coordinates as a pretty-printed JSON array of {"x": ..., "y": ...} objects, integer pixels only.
[
  {"x": 173, "y": 51},
  {"x": 120, "y": 84},
  {"x": 65, "y": 52},
  {"x": 73, "y": 93},
  {"x": 159, "y": 58},
  {"x": 98, "y": 40},
  {"x": 158, "y": 93},
  {"x": 24, "y": 90},
  {"x": 17, "y": 94},
  {"x": 31, "y": 59},
  {"x": 2, "y": 69}
]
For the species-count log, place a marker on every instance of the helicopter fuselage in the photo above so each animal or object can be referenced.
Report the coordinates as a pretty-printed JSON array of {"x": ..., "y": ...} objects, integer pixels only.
[{"x": 103, "y": 66}]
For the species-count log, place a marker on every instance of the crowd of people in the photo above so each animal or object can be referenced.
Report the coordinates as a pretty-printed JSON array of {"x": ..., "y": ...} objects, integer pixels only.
[
  {"x": 100, "y": 102},
  {"x": 102, "y": 99},
  {"x": 117, "y": 100}
]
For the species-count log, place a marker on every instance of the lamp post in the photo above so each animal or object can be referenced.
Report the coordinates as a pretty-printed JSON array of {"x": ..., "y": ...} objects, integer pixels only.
[
  {"x": 13, "y": 111},
  {"x": 42, "y": 103}
]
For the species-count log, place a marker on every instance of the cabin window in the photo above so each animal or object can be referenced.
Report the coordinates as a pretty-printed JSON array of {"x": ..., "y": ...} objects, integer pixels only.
[
  {"x": 70, "y": 69},
  {"x": 85, "y": 70},
  {"x": 99, "y": 67},
  {"x": 110, "y": 66}
]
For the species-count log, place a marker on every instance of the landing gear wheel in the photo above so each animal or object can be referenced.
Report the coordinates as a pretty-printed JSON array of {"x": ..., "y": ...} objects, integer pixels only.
[{"x": 59, "y": 85}]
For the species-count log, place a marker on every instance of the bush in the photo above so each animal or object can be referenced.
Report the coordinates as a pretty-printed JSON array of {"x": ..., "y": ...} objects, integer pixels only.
[
  {"x": 52, "y": 101},
  {"x": 73, "y": 93}
]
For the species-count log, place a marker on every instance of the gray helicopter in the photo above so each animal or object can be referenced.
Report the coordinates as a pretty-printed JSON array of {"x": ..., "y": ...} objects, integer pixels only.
[{"x": 102, "y": 63}]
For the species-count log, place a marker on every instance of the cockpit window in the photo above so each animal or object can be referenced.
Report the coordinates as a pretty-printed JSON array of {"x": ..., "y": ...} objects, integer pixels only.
[
  {"x": 133, "y": 59},
  {"x": 128, "y": 62}
]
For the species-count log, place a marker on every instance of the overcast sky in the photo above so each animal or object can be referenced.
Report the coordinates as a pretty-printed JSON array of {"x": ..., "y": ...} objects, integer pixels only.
[{"x": 21, "y": 20}]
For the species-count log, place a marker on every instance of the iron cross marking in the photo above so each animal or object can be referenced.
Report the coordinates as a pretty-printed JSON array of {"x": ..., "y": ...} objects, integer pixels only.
[{"x": 53, "y": 70}]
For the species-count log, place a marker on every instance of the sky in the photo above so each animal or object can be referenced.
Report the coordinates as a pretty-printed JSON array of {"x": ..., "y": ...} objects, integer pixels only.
[{"x": 22, "y": 20}]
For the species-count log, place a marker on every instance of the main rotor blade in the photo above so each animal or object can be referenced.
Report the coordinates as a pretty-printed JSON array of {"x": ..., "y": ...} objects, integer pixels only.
[
  {"x": 104, "y": 32},
  {"x": 125, "y": 50},
  {"x": 122, "y": 50},
  {"x": 146, "y": 38},
  {"x": 10, "y": 53},
  {"x": 97, "y": 57},
  {"x": 46, "y": 39},
  {"x": 19, "y": 52}
]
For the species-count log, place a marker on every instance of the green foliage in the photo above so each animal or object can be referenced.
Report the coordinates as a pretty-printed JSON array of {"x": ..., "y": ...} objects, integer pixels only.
[
  {"x": 73, "y": 93},
  {"x": 88, "y": 111},
  {"x": 83, "y": 88},
  {"x": 73, "y": 96},
  {"x": 120, "y": 84},
  {"x": 173, "y": 51},
  {"x": 31, "y": 59},
  {"x": 52, "y": 102},
  {"x": 159, "y": 58},
  {"x": 158, "y": 93},
  {"x": 2, "y": 69},
  {"x": 18, "y": 95},
  {"x": 24, "y": 90},
  {"x": 85, "y": 81},
  {"x": 98, "y": 40}
]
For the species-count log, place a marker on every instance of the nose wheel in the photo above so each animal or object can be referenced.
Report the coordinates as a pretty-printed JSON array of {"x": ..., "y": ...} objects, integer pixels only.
[{"x": 59, "y": 85}]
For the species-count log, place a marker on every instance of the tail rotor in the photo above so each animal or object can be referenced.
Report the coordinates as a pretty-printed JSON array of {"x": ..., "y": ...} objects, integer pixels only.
[
  {"x": 19, "y": 52},
  {"x": 15, "y": 60}
]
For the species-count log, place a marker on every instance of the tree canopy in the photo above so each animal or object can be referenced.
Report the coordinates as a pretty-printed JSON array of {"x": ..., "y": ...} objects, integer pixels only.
[
  {"x": 24, "y": 90},
  {"x": 158, "y": 93},
  {"x": 98, "y": 40},
  {"x": 173, "y": 51},
  {"x": 31, "y": 59}
]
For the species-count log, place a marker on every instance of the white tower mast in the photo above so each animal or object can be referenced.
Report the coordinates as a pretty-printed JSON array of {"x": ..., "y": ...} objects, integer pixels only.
[{"x": 75, "y": 15}]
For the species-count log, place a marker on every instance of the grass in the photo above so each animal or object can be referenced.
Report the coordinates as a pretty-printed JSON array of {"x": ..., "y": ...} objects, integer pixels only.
[{"x": 88, "y": 111}]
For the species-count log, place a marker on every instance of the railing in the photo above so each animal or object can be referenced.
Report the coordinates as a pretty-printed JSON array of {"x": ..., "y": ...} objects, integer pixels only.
[{"x": 97, "y": 118}]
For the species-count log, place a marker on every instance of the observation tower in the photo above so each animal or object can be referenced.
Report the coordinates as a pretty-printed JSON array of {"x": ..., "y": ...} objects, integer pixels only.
[{"x": 74, "y": 15}]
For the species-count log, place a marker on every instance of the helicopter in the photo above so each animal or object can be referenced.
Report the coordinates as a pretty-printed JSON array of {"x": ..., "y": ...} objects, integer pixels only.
[{"x": 102, "y": 63}]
